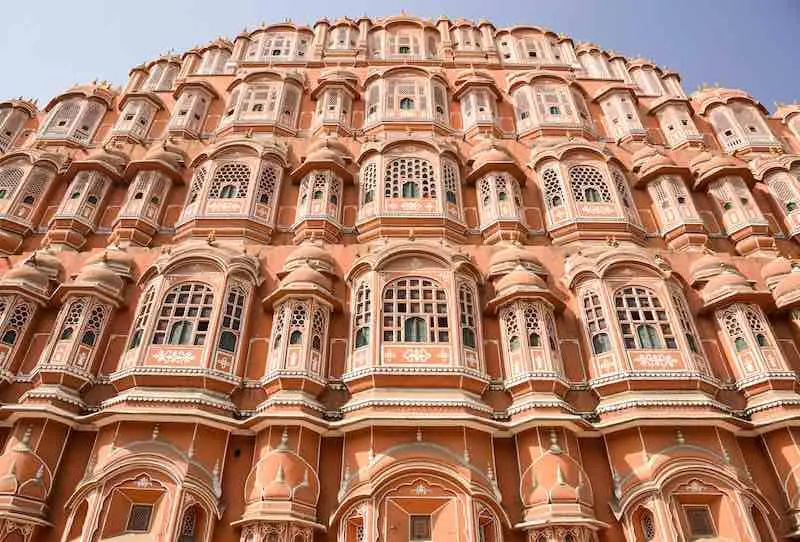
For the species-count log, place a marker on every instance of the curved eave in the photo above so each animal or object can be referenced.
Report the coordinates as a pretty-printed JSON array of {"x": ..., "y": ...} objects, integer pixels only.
[
  {"x": 509, "y": 166},
  {"x": 310, "y": 165},
  {"x": 301, "y": 290},
  {"x": 524, "y": 294},
  {"x": 723, "y": 299},
  {"x": 151, "y": 97}
]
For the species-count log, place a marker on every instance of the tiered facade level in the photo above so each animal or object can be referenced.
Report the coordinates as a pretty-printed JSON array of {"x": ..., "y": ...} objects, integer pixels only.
[{"x": 399, "y": 280}]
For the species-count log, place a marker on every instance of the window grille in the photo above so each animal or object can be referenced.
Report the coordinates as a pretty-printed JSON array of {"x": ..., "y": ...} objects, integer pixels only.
[
  {"x": 10, "y": 179},
  {"x": 94, "y": 325},
  {"x": 297, "y": 323},
  {"x": 648, "y": 526},
  {"x": 588, "y": 185},
  {"x": 230, "y": 181},
  {"x": 139, "y": 518},
  {"x": 643, "y": 320},
  {"x": 687, "y": 323},
  {"x": 409, "y": 178},
  {"x": 369, "y": 179},
  {"x": 197, "y": 184},
  {"x": 362, "y": 315},
  {"x": 188, "y": 527},
  {"x": 596, "y": 323},
  {"x": 17, "y": 322},
  {"x": 700, "y": 521},
  {"x": 415, "y": 310},
  {"x": 73, "y": 318},
  {"x": 145, "y": 306},
  {"x": 184, "y": 315},
  {"x": 420, "y": 528},
  {"x": 553, "y": 193},
  {"x": 232, "y": 318},
  {"x": 317, "y": 330},
  {"x": 466, "y": 307},
  {"x": 267, "y": 184},
  {"x": 450, "y": 181}
]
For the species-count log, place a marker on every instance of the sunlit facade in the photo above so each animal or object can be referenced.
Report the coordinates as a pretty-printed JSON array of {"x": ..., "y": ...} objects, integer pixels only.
[{"x": 399, "y": 280}]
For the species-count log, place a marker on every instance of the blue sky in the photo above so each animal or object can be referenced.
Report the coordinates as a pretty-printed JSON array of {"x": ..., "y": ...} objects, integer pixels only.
[{"x": 47, "y": 46}]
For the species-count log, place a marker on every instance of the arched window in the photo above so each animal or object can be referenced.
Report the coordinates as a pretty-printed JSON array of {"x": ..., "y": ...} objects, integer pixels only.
[
  {"x": 267, "y": 184},
  {"x": 647, "y": 525},
  {"x": 553, "y": 192},
  {"x": 409, "y": 178},
  {"x": 230, "y": 181},
  {"x": 588, "y": 185},
  {"x": 757, "y": 326},
  {"x": 450, "y": 182},
  {"x": 185, "y": 315},
  {"x": 687, "y": 324},
  {"x": 362, "y": 314},
  {"x": 73, "y": 319},
  {"x": 197, "y": 184},
  {"x": 415, "y": 310},
  {"x": 188, "y": 528},
  {"x": 141, "y": 319},
  {"x": 466, "y": 309},
  {"x": 643, "y": 319},
  {"x": 297, "y": 324},
  {"x": 369, "y": 177},
  {"x": 232, "y": 318},
  {"x": 732, "y": 326},
  {"x": 596, "y": 323}
]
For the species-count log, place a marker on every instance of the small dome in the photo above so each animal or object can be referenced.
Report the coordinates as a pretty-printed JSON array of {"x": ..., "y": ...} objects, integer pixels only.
[
  {"x": 776, "y": 268},
  {"x": 647, "y": 160},
  {"x": 521, "y": 278},
  {"x": 37, "y": 272},
  {"x": 727, "y": 280},
  {"x": 788, "y": 286},
  {"x": 305, "y": 274},
  {"x": 283, "y": 476},
  {"x": 555, "y": 479},
  {"x": 506, "y": 260},
  {"x": 23, "y": 473},
  {"x": 100, "y": 274},
  {"x": 707, "y": 266},
  {"x": 312, "y": 255}
]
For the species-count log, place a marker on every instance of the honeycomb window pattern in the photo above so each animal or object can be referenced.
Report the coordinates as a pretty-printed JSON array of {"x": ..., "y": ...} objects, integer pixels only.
[
  {"x": 189, "y": 305},
  {"x": 588, "y": 185},
  {"x": 409, "y": 178}
]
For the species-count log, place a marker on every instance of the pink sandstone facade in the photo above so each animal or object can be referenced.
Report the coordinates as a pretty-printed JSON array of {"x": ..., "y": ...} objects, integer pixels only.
[{"x": 399, "y": 280}]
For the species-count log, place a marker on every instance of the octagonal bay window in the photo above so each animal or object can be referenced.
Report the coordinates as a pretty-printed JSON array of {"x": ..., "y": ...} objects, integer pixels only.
[
  {"x": 679, "y": 222},
  {"x": 549, "y": 105},
  {"x": 335, "y": 93},
  {"x": 743, "y": 221},
  {"x": 278, "y": 43},
  {"x": 191, "y": 319},
  {"x": 737, "y": 118},
  {"x": 191, "y": 108},
  {"x": 409, "y": 188},
  {"x": 586, "y": 194},
  {"x": 526, "y": 308},
  {"x": 478, "y": 97},
  {"x": 25, "y": 290},
  {"x": 25, "y": 180},
  {"x": 264, "y": 101},
  {"x": 415, "y": 313},
  {"x": 137, "y": 113},
  {"x": 73, "y": 117},
  {"x": 404, "y": 40},
  {"x": 140, "y": 217},
  {"x": 14, "y": 114},
  {"x": 401, "y": 96},
  {"x": 530, "y": 45},
  {"x": 748, "y": 340},
  {"x": 79, "y": 213},
  {"x": 302, "y": 307},
  {"x": 634, "y": 329},
  {"x": 784, "y": 187},
  {"x": 74, "y": 349},
  {"x": 675, "y": 119},
  {"x": 234, "y": 191},
  {"x": 621, "y": 114}
]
